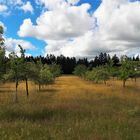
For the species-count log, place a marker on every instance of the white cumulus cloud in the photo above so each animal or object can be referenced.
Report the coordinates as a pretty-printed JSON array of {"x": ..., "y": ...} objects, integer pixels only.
[
  {"x": 27, "y": 7},
  {"x": 118, "y": 25},
  {"x": 12, "y": 45},
  {"x": 7, "y": 6},
  {"x": 67, "y": 22},
  {"x": 70, "y": 30},
  {"x": 3, "y": 8}
]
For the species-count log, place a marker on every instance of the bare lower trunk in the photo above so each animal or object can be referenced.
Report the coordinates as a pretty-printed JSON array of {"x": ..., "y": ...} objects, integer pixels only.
[
  {"x": 124, "y": 83},
  {"x": 39, "y": 86},
  {"x": 16, "y": 92},
  {"x": 27, "y": 90},
  {"x": 104, "y": 82},
  {"x": 135, "y": 79}
]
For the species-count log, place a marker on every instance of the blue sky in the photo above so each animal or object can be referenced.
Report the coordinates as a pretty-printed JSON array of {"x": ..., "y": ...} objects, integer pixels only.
[{"x": 70, "y": 27}]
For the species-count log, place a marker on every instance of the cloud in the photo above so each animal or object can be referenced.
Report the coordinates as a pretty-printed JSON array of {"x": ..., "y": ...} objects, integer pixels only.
[
  {"x": 7, "y": 6},
  {"x": 12, "y": 45},
  {"x": 11, "y": 2},
  {"x": 73, "y": 2},
  {"x": 49, "y": 4},
  {"x": 27, "y": 7},
  {"x": 81, "y": 46},
  {"x": 3, "y": 8},
  {"x": 27, "y": 29},
  {"x": 70, "y": 30},
  {"x": 118, "y": 24},
  {"x": 69, "y": 22},
  {"x": 14, "y": 2}
]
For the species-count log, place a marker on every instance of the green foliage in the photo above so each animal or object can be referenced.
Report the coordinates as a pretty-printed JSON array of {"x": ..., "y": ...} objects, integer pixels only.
[
  {"x": 101, "y": 74},
  {"x": 90, "y": 75},
  {"x": 112, "y": 70},
  {"x": 22, "y": 51},
  {"x": 2, "y": 53},
  {"x": 1, "y": 38},
  {"x": 45, "y": 75},
  {"x": 55, "y": 70},
  {"x": 30, "y": 70},
  {"x": 80, "y": 70},
  {"x": 16, "y": 67},
  {"x": 135, "y": 69},
  {"x": 98, "y": 74},
  {"x": 1, "y": 30},
  {"x": 125, "y": 70},
  {"x": 2, "y": 62},
  {"x": 42, "y": 75}
]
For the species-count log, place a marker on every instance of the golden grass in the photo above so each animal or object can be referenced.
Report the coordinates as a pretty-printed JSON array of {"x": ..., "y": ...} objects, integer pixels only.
[
  {"x": 71, "y": 87},
  {"x": 71, "y": 109}
]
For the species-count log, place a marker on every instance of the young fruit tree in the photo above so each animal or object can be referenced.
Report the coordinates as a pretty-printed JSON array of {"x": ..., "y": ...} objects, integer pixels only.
[
  {"x": 125, "y": 71},
  {"x": 98, "y": 74},
  {"x": 80, "y": 70},
  {"x": 46, "y": 77},
  {"x": 15, "y": 72},
  {"x": 135, "y": 70},
  {"x": 28, "y": 71},
  {"x": 101, "y": 74},
  {"x": 112, "y": 69},
  {"x": 43, "y": 75}
]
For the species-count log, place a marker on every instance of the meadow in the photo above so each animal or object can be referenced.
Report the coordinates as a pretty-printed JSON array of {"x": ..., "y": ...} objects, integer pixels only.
[{"x": 71, "y": 109}]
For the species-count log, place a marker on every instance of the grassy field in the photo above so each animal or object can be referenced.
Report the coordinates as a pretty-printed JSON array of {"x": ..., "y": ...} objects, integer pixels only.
[{"x": 71, "y": 109}]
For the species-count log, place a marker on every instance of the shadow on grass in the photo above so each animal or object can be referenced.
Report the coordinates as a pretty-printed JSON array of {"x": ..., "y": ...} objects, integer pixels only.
[
  {"x": 4, "y": 87},
  {"x": 6, "y": 91},
  {"x": 45, "y": 114},
  {"x": 13, "y": 115},
  {"x": 49, "y": 90},
  {"x": 132, "y": 89}
]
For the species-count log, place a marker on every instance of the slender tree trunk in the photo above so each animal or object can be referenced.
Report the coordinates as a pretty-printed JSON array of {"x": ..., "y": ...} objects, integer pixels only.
[
  {"x": 124, "y": 83},
  {"x": 27, "y": 90},
  {"x": 16, "y": 92},
  {"x": 135, "y": 79},
  {"x": 104, "y": 82},
  {"x": 39, "y": 86}
]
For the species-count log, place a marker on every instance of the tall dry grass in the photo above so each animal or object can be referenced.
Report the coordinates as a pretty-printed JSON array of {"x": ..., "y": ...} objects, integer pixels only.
[{"x": 71, "y": 109}]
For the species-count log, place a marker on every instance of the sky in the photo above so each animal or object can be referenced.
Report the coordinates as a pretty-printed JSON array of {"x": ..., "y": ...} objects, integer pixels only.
[{"x": 79, "y": 28}]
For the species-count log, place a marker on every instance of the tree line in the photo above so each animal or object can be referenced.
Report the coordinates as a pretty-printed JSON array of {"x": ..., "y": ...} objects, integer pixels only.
[
  {"x": 126, "y": 68},
  {"x": 69, "y": 63}
]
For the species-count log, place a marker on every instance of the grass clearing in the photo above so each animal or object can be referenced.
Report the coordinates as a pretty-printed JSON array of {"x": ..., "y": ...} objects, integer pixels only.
[{"x": 71, "y": 109}]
